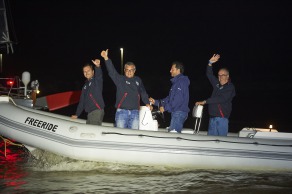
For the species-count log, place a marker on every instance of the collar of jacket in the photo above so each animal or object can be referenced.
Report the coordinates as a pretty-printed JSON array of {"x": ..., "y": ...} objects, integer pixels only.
[{"x": 176, "y": 78}]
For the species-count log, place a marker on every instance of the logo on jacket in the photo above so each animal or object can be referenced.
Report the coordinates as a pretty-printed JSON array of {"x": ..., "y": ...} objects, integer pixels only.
[
  {"x": 137, "y": 83},
  {"x": 128, "y": 82}
]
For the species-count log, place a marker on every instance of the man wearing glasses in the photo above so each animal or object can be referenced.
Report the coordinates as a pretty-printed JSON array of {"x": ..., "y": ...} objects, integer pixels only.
[
  {"x": 130, "y": 90},
  {"x": 220, "y": 102}
]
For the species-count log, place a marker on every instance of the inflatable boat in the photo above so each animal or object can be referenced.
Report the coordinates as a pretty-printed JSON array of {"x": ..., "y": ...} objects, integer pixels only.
[{"x": 258, "y": 149}]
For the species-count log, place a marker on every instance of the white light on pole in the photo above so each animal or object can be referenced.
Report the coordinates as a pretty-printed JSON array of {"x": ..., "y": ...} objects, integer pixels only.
[
  {"x": 122, "y": 59},
  {"x": 271, "y": 127}
]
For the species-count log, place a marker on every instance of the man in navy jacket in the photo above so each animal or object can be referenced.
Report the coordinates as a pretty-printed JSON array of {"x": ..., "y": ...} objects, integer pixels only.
[
  {"x": 220, "y": 102},
  {"x": 177, "y": 100},
  {"x": 91, "y": 99},
  {"x": 130, "y": 91}
]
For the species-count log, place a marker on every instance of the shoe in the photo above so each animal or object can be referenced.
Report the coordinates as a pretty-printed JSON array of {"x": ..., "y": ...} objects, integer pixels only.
[{"x": 173, "y": 131}]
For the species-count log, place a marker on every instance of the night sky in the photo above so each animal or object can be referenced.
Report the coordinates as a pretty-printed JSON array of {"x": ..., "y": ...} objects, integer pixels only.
[{"x": 55, "y": 38}]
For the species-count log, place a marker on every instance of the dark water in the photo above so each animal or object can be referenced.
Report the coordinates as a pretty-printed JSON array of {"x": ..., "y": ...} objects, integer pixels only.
[{"x": 49, "y": 173}]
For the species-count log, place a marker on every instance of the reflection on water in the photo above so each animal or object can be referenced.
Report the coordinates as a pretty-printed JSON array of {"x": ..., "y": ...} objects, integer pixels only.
[
  {"x": 11, "y": 173},
  {"x": 49, "y": 173}
]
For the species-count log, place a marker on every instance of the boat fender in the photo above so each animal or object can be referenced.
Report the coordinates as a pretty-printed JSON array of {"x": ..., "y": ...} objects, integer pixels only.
[{"x": 41, "y": 124}]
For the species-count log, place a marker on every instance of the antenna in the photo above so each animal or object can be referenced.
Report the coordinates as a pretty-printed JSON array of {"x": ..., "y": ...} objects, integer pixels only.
[{"x": 5, "y": 40}]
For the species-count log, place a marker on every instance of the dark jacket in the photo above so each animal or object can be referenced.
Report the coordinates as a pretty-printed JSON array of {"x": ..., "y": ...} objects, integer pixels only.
[
  {"x": 91, "y": 95},
  {"x": 220, "y": 102},
  {"x": 178, "y": 98},
  {"x": 129, "y": 90}
]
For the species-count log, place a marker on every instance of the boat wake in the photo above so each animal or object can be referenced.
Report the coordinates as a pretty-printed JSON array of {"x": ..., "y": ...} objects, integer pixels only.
[{"x": 41, "y": 160}]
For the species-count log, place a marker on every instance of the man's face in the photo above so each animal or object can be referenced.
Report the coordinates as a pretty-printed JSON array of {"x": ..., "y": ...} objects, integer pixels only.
[
  {"x": 174, "y": 71},
  {"x": 88, "y": 72},
  {"x": 129, "y": 71},
  {"x": 223, "y": 77}
]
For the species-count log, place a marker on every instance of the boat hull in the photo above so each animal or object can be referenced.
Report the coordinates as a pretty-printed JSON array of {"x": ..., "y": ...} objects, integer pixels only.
[{"x": 64, "y": 136}]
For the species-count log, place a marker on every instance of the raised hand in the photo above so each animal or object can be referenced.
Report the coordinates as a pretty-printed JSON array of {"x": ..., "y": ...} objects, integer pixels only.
[
  {"x": 96, "y": 62},
  {"x": 214, "y": 58},
  {"x": 104, "y": 54}
]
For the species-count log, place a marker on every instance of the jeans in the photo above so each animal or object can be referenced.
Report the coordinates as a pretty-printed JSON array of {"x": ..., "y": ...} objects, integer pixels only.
[
  {"x": 177, "y": 120},
  {"x": 218, "y": 126},
  {"x": 127, "y": 119},
  {"x": 95, "y": 117}
]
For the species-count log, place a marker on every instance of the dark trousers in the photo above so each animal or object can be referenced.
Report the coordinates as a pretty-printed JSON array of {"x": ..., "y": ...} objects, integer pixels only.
[{"x": 95, "y": 117}]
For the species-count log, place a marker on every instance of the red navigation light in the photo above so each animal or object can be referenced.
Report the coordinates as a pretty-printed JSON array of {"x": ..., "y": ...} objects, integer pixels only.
[{"x": 10, "y": 83}]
